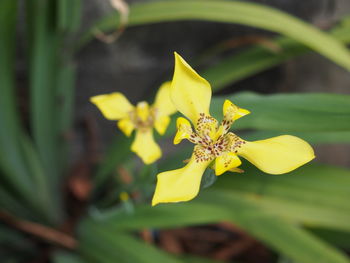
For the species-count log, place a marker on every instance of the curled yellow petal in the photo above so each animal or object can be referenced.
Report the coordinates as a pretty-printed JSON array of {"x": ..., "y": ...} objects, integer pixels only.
[
  {"x": 184, "y": 130},
  {"x": 113, "y": 106},
  {"x": 126, "y": 126},
  {"x": 226, "y": 162},
  {"x": 233, "y": 112},
  {"x": 181, "y": 184},
  {"x": 277, "y": 155},
  {"x": 163, "y": 105},
  {"x": 190, "y": 92},
  {"x": 145, "y": 146}
]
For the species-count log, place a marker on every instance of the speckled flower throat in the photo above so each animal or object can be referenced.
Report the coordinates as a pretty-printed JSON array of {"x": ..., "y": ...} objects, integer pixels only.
[
  {"x": 212, "y": 140},
  {"x": 143, "y": 116}
]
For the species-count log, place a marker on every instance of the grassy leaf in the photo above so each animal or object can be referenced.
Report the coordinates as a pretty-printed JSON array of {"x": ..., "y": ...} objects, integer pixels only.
[
  {"x": 290, "y": 112},
  {"x": 109, "y": 246},
  {"x": 214, "y": 206},
  {"x": 257, "y": 58},
  {"x": 250, "y": 14}
]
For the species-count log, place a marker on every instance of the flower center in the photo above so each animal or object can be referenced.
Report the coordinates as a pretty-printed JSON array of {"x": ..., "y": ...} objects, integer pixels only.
[
  {"x": 211, "y": 139},
  {"x": 143, "y": 116}
]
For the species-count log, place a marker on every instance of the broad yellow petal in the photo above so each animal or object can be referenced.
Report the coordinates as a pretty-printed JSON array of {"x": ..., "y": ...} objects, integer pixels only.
[
  {"x": 226, "y": 162},
  {"x": 163, "y": 105},
  {"x": 233, "y": 112},
  {"x": 277, "y": 155},
  {"x": 113, "y": 106},
  {"x": 145, "y": 146},
  {"x": 126, "y": 126},
  {"x": 184, "y": 130},
  {"x": 181, "y": 184},
  {"x": 161, "y": 124},
  {"x": 190, "y": 92}
]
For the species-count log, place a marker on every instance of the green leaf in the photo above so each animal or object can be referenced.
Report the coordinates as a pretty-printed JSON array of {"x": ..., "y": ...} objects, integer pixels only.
[
  {"x": 251, "y": 61},
  {"x": 42, "y": 66},
  {"x": 64, "y": 111},
  {"x": 100, "y": 244},
  {"x": 68, "y": 15},
  {"x": 314, "y": 195},
  {"x": 337, "y": 238},
  {"x": 319, "y": 112},
  {"x": 66, "y": 257},
  {"x": 16, "y": 156},
  {"x": 43, "y": 48},
  {"x": 118, "y": 152},
  {"x": 257, "y": 58},
  {"x": 287, "y": 238},
  {"x": 10, "y": 157},
  {"x": 250, "y": 14},
  {"x": 314, "y": 137}
]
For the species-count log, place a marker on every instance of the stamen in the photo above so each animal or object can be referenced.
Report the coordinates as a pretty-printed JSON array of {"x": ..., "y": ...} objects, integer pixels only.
[{"x": 211, "y": 141}]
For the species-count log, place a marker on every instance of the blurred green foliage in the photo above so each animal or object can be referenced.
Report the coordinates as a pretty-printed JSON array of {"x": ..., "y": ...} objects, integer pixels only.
[{"x": 304, "y": 216}]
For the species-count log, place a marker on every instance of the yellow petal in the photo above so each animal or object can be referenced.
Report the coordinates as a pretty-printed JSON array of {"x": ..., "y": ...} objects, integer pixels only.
[
  {"x": 225, "y": 162},
  {"x": 181, "y": 184},
  {"x": 233, "y": 112},
  {"x": 145, "y": 146},
  {"x": 113, "y": 106},
  {"x": 161, "y": 124},
  {"x": 163, "y": 104},
  {"x": 143, "y": 111},
  {"x": 126, "y": 126},
  {"x": 277, "y": 155},
  {"x": 190, "y": 92},
  {"x": 184, "y": 130}
]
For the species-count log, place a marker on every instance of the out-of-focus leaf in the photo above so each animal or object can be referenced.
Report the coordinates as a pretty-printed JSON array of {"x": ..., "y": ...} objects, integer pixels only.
[
  {"x": 42, "y": 78},
  {"x": 337, "y": 238},
  {"x": 10, "y": 157},
  {"x": 66, "y": 257},
  {"x": 313, "y": 137},
  {"x": 68, "y": 15},
  {"x": 192, "y": 259},
  {"x": 43, "y": 61},
  {"x": 14, "y": 246},
  {"x": 318, "y": 112},
  {"x": 213, "y": 206},
  {"x": 315, "y": 195},
  {"x": 100, "y": 244},
  {"x": 250, "y": 14},
  {"x": 118, "y": 152},
  {"x": 16, "y": 156},
  {"x": 65, "y": 95},
  {"x": 257, "y": 58}
]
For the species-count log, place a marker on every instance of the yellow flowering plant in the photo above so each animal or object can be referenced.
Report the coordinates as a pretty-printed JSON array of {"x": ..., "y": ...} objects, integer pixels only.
[
  {"x": 142, "y": 118},
  {"x": 215, "y": 146}
]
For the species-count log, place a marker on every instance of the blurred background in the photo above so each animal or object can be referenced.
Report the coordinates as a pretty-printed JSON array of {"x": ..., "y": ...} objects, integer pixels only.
[{"x": 63, "y": 167}]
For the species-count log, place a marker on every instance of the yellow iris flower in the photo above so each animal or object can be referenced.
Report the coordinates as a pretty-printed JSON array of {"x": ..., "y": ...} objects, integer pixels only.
[
  {"x": 215, "y": 146},
  {"x": 142, "y": 118}
]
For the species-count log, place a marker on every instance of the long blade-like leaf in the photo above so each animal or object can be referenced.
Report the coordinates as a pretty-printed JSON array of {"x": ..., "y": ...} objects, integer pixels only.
[
  {"x": 250, "y": 14},
  {"x": 285, "y": 237}
]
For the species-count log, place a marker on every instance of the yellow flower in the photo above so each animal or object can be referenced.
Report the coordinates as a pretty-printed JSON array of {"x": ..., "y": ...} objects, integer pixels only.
[
  {"x": 215, "y": 146},
  {"x": 141, "y": 118}
]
